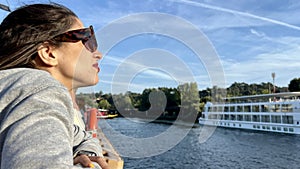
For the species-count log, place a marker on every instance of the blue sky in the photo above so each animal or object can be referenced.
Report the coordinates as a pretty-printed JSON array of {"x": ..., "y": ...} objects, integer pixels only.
[{"x": 251, "y": 39}]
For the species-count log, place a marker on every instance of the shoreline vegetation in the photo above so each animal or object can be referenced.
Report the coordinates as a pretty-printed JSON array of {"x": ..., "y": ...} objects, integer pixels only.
[{"x": 183, "y": 104}]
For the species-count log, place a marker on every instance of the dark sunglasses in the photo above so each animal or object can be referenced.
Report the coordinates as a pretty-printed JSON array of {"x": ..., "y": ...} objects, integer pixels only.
[{"x": 86, "y": 35}]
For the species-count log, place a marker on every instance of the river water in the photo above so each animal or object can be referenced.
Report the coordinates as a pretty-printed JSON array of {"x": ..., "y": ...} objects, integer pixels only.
[{"x": 226, "y": 148}]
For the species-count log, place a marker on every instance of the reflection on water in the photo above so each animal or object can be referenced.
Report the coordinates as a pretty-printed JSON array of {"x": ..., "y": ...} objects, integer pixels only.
[{"x": 227, "y": 148}]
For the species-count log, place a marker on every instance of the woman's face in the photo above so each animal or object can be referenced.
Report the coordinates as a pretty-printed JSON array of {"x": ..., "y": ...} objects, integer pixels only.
[{"x": 77, "y": 66}]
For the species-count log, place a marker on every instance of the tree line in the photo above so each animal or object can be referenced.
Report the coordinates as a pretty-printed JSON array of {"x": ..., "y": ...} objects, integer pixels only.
[{"x": 171, "y": 100}]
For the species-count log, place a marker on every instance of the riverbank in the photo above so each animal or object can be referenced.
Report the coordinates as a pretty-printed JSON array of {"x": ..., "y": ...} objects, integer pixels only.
[{"x": 188, "y": 120}]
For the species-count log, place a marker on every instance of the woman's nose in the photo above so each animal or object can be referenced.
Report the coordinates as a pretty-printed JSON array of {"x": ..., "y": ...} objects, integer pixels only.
[{"x": 98, "y": 54}]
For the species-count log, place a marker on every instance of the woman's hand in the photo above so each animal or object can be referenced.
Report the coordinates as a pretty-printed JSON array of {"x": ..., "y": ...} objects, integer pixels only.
[{"x": 86, "y": 161}]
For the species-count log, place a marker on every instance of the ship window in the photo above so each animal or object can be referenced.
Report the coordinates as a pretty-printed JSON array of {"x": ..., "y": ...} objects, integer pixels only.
[
  {"x": 232, "y": 109},
  {"x": 209, "y": 109},
  {"x": 232, "y": 117},
  {"x": 226, "y": 117},
  {"x": 239, "y": 108},
  {"x": 254, "y": 126},
  {"x": 297, "y": 122},
  {"x": 275, "y": 108},
  {"x": 264, "y": 108},
  {"x": 215, "y": 116},
  {"x": 240, "y": 117},
  {"x": 275, "y": 119},
  {"x": 219, "y": 109},
  {"x": 286, "y": 108},
  {"x": 272, "y": 108},
  {"x": 255, "y": 118},
  {"x": 264, "y": 127},
  {"x": 212, "y": 116},
  {"x": 247, "y": 109},
  {"x": 285, "y": 129},
  {"x": 291, "y": 129},
  {"x": 279, "y": 128},
  {"x": 214, "y": 109},
  {"x": 255, "y": 108},
  {"x": 221, "y": 116},
  {"x": 226, "y": 109},
  {"x": 273, "y": 128},
  {"x": 265, "y": 118},
  {"x": 247, "y": 117},
  {"x": 287, "y": 119}
]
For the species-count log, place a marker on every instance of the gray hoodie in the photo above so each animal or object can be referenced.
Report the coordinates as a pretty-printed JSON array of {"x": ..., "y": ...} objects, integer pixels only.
[{"x": 36, "y": 122}]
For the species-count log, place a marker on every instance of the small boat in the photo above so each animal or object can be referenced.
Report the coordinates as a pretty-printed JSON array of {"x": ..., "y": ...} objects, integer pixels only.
[
  {"x": 112, "y": 116},
  {"x": 103, "y": 114},
  {"x": 277, "y": 112}
]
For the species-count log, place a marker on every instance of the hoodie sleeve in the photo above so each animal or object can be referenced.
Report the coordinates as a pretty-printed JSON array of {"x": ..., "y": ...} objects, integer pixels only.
[
  {"x": 37, "y": 131},
  {"x": 85, "y": 143}
]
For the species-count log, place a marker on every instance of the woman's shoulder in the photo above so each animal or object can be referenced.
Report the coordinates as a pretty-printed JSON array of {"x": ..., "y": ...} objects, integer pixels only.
[
  {"x": 29, "y": 81},
  {"x": 27, "y": 76},
  {"x": 32, "y": 84}
]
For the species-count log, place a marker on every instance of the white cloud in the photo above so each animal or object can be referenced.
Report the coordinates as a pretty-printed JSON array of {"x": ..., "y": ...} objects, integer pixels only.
[
  {"x": 285, "y": 64},
  {"x": 259, "y": 34}
]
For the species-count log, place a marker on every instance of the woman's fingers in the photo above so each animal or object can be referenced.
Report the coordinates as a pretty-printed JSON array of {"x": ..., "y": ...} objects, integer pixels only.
[
  {"x": 100, "y": 160},
  {"x": 84, "y": 160}
]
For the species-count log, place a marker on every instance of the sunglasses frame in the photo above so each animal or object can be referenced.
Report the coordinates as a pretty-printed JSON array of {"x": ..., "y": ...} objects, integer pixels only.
[{"x": 85, "y": 35}]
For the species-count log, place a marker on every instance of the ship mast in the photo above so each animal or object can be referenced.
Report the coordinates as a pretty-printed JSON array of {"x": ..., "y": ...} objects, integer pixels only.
[{"x": 274, "y": 89}]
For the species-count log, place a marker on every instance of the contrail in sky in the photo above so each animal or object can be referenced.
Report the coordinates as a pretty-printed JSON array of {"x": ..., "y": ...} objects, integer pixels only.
[{"x": 236, "y": 12}]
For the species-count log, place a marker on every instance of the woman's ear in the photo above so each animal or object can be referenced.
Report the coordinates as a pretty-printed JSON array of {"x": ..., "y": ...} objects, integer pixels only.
[{"x": 46, "y": 55}]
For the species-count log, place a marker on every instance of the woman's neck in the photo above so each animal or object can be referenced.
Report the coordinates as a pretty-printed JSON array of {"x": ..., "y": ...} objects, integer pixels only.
[{"x": 73, "y": 97}]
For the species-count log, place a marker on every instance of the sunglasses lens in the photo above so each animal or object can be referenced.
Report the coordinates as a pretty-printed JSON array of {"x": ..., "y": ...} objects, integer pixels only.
[
  {"x": 91, "y": 44},
  {"x": 87, "y": 36}
]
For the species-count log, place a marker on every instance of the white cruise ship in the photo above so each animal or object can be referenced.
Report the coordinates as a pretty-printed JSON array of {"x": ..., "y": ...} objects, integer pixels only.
[{"x": 278, "y": 112}]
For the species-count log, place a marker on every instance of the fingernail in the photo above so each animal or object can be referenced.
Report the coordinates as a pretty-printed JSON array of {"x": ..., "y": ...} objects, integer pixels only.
[{"x": 91, "y": 165}]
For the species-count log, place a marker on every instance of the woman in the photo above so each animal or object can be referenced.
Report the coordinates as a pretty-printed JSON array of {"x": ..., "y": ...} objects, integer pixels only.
[{"x": 45, "y": 54}]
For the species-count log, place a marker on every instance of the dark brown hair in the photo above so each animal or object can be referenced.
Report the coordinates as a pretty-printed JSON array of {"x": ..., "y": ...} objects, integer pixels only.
[{"x": 26, "y": 28}]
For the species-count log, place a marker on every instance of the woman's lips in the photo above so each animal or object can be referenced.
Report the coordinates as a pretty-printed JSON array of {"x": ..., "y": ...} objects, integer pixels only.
[{"x": 96, "y": 66}]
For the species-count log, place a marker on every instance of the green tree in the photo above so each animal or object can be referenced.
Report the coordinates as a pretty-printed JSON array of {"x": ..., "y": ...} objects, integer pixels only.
[
  {"x": 98, "y": 95},
  {"x": 86, "y": 100},
  {"x": 145, "y": 104},
  {"x": 122, "y": 102},
  {"x": 294, "y": 85},
  {"x": 135, "y": 99},
  {"x": 104, "y": 104},
  {"x": 172, "y": 95},
  {"x": 190, "y": 100}
]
